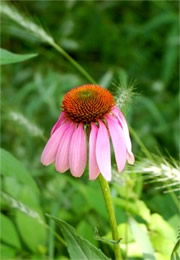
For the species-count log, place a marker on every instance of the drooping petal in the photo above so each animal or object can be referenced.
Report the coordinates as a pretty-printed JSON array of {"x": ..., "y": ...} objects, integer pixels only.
[
  {"x": 58, "y": 123},
  {"x": 93, "y": 167},
  {"x": 123, "y": 123},
  {"x": 49, "y": 152},
  {"x": 62, "y": 155},
  {"x": 103, "y": 154},
  {"x": 78, "y": 152},
  {"x": 118, "y": 141}
]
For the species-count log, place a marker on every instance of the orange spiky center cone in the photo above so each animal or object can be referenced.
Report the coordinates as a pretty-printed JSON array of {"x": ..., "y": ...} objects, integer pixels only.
[{"x": 87, "y": 103}]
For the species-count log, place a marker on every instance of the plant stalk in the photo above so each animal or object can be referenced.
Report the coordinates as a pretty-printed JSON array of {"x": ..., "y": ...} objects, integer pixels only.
[
  {"x": 90, "y": 79},
  {"x": 109, "y": 205},
  {"x": 104, "y": 184}
]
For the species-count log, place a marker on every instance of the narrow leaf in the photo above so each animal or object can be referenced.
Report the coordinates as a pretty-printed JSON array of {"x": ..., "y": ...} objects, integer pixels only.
[
  {"x": 175, "y": 255},
  {"x": 7, "y": 57},
  {"x": 78, "y": 247}
]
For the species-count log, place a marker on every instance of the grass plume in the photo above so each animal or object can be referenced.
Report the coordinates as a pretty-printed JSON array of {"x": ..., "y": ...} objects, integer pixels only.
[
  {"x": 29, "y": 126},
  {"x": 12, "y": 13},
  {"x": 124, "y": 90},
  {"x": 21, "y": 207},
  {"x": 160, "y": 171}
]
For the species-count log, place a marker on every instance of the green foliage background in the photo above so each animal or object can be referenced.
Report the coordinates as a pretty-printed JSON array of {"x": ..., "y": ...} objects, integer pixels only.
[{"x": 138, "y": 39}]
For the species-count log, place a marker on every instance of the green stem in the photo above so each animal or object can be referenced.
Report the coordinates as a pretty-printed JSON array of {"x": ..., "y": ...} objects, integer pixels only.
[
  {"x": 74, "y": 63},
  {"x": 107, "y": 197},
  {"x": 104, "y": 184},
  {"x": 127, "y": 213}
]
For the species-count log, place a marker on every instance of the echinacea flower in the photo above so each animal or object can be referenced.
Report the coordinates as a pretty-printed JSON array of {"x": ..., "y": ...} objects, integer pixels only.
[{"x": 88, "y": 121}]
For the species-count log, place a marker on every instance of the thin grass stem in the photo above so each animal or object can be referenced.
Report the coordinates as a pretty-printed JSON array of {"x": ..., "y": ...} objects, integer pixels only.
[
  {"x": 140, "y": 143},
  {"x": 127, "y": 214},
  {"x": 73, "y": 62},
  {"x": 52, "y": 226}
]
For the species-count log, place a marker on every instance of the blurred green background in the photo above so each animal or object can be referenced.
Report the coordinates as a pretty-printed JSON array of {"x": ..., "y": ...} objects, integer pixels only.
[{"x": 137, "y": 38}]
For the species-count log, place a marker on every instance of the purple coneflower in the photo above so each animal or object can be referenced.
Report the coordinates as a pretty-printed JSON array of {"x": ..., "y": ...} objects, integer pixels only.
[{"x": 88, "y": 120}]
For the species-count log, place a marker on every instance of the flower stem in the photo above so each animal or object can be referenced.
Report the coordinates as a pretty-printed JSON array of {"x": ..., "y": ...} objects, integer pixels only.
[
  {"x": 107, "y": 197},
  {"x": 104, "y": 184}
]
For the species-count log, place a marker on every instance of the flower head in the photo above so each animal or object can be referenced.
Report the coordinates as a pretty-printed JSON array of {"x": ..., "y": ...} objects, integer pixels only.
[{"x": 89, "y": 116}]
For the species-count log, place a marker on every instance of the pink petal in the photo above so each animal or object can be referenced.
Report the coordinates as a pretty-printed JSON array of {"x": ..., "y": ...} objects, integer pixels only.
[
  {"x": 62, "y": 155},
  {"x": 78, "y": 152},
  {"x": 123, "y": 123},
  {"x": 118, "y": 141},
  {"x": 58, "y": 123},
  {"x": 103, "y": 154},
  {"x": 49, "y": 152},
  {"x": 93, "y": 167}
]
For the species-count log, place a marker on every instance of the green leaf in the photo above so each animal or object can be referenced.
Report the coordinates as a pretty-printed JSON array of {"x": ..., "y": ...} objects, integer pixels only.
[
  {"x": 30, "y": 224},
  {"x": 161, "y": 226},
  {"x": 161, "y": 244},
  {"x": 11, "y": 186},
  {"x": 7, "y": 57},
  {"x": 142, "y": 238},
  {"x": 7, "y": 252},
  {"x": 8, "y": 232},
  {"x": 86, "y": 231},
  {"x": 78, "y": 247},
  {"x": 18, "y": 183},
  {"x": 11, "y": 167}
]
